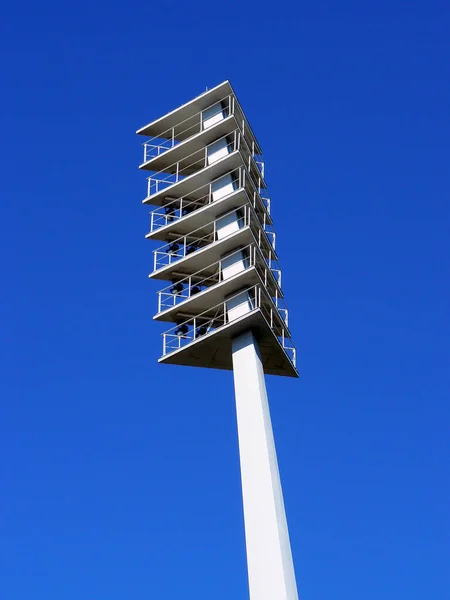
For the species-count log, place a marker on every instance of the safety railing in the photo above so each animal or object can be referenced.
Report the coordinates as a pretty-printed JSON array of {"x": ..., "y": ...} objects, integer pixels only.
[
  {"x": 188, "y": 244},
  {"x": 183, "y": 289},
  {"x": 256, "y": 172},
  {"x": 197, "y": 239},
  {"x": 177, "y": 208},
  {"x": 196, "y": 123},
  {"x": 193, "y": 162},
  {"x": 200, "y": 159},
  {"x": 154, "y": 150},
  {"x": 260, "y": 165},
  {"x": 185, "y": 129},
  {"x": 217, "y": 317}
]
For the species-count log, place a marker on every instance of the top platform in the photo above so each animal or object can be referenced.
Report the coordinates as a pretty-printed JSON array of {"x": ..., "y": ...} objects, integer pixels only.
[{"x": 179, "y": 123}]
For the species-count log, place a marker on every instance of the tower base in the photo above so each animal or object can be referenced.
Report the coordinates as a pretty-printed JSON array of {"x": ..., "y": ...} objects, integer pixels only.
[{"x": 269, "y": 559}]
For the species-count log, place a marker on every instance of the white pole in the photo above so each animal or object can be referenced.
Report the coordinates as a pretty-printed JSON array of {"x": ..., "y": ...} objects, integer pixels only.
[{"x": 269, "y": 559}]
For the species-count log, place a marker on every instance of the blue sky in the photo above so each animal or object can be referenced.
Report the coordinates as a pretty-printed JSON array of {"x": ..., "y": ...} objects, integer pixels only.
[{"x": 119, "y": 478}]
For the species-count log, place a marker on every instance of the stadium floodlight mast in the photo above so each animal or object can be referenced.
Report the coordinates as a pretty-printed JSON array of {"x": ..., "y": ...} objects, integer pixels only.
[{"x": 223, "y": 295}]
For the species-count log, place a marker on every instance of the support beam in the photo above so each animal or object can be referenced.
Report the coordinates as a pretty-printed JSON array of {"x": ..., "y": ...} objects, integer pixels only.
[{"x": 269, "y": 559}]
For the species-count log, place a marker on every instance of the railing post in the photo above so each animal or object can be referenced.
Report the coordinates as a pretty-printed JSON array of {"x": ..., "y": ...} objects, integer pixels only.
[
  {"x": 184, "y": 246},
  {"x": 164, "y": 344},
  {"x": 177, "y": 173},
  {"x": 151, "y": 221},
  {"x": 195, "y": 327},
  {"x": 190, "y": 286},
  {"x": 154, "y": 260},
  {"x": 173, "y": 137}
]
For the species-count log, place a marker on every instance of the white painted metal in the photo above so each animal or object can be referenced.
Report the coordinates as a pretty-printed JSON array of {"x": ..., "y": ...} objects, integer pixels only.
[
  {"x": 232, "y": 264},
  {"x": 207, "y": 181},
  {"x": 217, "y": 150},
  {"x": 223, "y": 186},
  {"x": 226, "y": 225},
  {"x": 269, "y": 559},
  {"x": 238, "y": 305},
  {"x": 212, "y": 115},
  {"x": 229, "y": 223}
]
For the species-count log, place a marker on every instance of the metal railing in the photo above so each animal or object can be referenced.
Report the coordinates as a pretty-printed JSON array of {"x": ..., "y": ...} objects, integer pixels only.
[
  {"x": 167, "y": 139},
  {"x": 195, "y": 162},
  {"x": 199, "y": 159},
  {"x": 179, "y": 207},
  {"x": 260, "y": 164},
  {"x": 213, "y": 319},
  {"x": 188, "y": 244},
  {"x": 153, "y": 147},
  {"x": 195, "y": 240},
  {"x": 183, "y": 289},
  {"x": 154, "y": 150}
]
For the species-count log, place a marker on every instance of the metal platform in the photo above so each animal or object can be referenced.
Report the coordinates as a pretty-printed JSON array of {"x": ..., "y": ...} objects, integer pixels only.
[
  {"x": 214, "y": 349},
  {"x": 205, "y": 256},
  {"x": 198, "y": 217},
  {"x": 180, "y": 122},
  {"x": 196, "y": 143},
  {"x": 166, "y": 187}
]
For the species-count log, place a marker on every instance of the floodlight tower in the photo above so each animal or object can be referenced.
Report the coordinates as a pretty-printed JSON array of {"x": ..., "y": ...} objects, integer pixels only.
[{"x": 223, "y": 294}]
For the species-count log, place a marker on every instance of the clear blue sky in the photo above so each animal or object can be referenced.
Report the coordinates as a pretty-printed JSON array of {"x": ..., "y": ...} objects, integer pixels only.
[{"x": 119, "y": 478}]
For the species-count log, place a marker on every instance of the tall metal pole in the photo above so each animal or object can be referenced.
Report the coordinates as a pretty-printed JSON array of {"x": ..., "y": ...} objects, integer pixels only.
[
  {"x": 208, "y": 196},
  {"x": 269, "y": 558}
]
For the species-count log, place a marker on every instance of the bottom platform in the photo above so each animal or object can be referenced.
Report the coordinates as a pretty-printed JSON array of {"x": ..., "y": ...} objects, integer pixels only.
[{"x": 213, "y": 350}]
